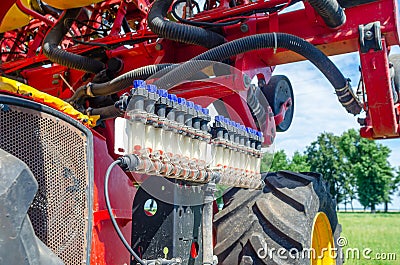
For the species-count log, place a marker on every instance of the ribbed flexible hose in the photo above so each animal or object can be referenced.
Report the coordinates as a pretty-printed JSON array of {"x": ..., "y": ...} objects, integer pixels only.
[
  {"x": 180, "y": 32},
  {"x": 262, "y": 41},
  {"x": 330, "y": 11},
  {"x": 117, "y": 84},
  {"x": 109, "y": 112},
  {"x": 70, "y": 60}
]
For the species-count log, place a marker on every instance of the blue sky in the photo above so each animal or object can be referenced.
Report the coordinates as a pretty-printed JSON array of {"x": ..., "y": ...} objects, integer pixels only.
[{"x": 317, "y": 109}]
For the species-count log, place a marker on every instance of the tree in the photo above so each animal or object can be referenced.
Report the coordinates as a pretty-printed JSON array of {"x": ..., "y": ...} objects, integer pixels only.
[
  {"x": 394, "y": 183},
  {"x": 368, "y": 162},
  {"x": 347, "y": 145},
  {"x": 280, "y": 161},
  {"x": 324, "y": 156},
  {"x": 299, "y": 163}
]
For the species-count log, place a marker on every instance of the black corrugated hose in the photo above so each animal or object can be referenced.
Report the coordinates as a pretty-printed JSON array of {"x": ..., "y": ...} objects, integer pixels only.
[
  {"x": 105, "y": 113},
  {"x": 330, "y": 11},
  {"x": 117, "y": 84},
  {"x": 180, "y": 32},
  {"x": 262, "y": 41},
  {"x": 70, "y": 60}
]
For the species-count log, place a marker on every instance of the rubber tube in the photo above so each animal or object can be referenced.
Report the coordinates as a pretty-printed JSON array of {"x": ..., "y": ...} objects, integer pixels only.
[
  {"x": 70, "y": 60},
  {"x": 180, "y": 32},
  {"x": 330, "y": 11},
  {"x": 109, "y": 112},
  {"x": 262, "y": 41},
  {"x": 117, "y": 84}
]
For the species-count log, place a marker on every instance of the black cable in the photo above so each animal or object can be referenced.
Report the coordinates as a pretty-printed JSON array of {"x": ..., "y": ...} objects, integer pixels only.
[
  {"x": 113, "y": 221},
  {"x": 85, "y": 23}
]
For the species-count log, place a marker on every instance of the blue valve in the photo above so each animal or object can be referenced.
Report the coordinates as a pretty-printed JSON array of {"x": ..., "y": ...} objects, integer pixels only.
[
  {"x": 181, "y": 101},
  {"x": 151, "y": 88},
  {"x": 138, "y": 83},
  {"x": 173, "y": 97},
  {"x": 163, "y": 93},
  {"x": 198, "y": 108},
  {"x": 190, "y": 104},
  {"x": 219, "y": 118}
]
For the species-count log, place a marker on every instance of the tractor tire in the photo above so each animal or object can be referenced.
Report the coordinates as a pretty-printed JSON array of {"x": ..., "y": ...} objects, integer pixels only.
[{"x": 277, "y": 225}]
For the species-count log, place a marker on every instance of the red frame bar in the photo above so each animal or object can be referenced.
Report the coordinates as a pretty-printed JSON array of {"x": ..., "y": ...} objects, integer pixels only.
[{"x": 382, "y": 120}]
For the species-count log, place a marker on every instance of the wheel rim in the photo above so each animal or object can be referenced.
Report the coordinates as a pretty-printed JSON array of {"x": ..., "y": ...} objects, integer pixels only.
[{"x": 322, "y": 241}]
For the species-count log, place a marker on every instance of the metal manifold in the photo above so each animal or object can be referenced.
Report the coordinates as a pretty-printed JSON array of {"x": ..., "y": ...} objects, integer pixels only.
[{"x": 173, "y": 138}]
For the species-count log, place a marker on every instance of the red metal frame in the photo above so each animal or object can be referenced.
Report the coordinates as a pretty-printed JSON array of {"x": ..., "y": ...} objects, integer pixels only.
[{"x": 382, "y": 115}]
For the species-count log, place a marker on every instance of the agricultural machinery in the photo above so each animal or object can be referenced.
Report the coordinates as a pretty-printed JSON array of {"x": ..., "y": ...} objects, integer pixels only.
[{"x": 133, "y": 131}]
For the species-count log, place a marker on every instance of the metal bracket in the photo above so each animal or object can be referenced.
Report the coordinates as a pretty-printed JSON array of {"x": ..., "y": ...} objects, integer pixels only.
[{"x": 370, "y": 37}]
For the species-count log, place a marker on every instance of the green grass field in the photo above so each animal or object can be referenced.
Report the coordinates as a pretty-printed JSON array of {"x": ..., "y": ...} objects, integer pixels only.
[{"x": 378, "y": 232}]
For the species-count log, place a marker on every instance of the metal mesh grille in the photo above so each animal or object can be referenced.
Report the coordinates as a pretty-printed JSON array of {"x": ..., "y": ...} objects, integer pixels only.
[{"x": 56, "y": 153}]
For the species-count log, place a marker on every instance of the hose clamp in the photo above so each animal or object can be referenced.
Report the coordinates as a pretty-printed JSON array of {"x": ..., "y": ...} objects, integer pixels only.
[
  {"x": 275, "y": 42},
  {"x": 89, "y": 87}
]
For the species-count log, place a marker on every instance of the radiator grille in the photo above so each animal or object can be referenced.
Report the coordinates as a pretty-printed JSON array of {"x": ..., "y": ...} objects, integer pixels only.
[{"x": 57, "y": 154}]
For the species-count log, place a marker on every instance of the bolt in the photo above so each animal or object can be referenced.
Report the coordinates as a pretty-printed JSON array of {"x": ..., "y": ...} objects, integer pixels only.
[
  {"x": 362, "y": 121},
  {"x": 369, "y": 35},
  {"x": 244, "y": 27},
  {"x": 158, "y": 47}
]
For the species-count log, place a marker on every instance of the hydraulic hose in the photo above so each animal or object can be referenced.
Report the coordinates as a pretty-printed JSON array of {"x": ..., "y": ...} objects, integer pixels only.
[
  {"x": 180, "y": 32},
  {"x": 262, "y": 41},
  {"x": 330, "y": 11},
  {"x": 109, "y": 112},
  {"x": 70, "y": 60},
  {"x": 117, "y": 84}
]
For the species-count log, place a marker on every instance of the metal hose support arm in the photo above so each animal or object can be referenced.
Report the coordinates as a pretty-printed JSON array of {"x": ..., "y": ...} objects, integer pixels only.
[
  {"x": 70, "y": 60},
  {"x": 262, "y": 41},
  {"x": 180, "y": 32},
  {"x": 330, "y": 11}
]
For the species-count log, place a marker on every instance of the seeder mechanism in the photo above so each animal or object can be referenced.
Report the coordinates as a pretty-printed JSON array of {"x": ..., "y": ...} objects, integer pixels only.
[{"x": 174, "y": 138}]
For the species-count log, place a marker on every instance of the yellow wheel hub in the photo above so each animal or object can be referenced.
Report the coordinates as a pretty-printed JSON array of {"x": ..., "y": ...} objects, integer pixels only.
[{"x": 322, "y": 241}]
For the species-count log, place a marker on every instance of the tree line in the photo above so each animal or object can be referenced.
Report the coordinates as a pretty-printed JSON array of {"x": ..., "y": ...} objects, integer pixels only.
[{"x": 354, "y": 167}]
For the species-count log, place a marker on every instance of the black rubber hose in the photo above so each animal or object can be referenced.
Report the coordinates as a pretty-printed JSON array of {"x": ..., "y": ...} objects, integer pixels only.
[
  {"x": 117, "y": 84},
  {"x": 180, "y": 32},
  {"x": 70, "y": 60},
  {"x": 330, "y": 11},
  {"x": 109, "y": 112},
  {"x": 262, "y": 41}
]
